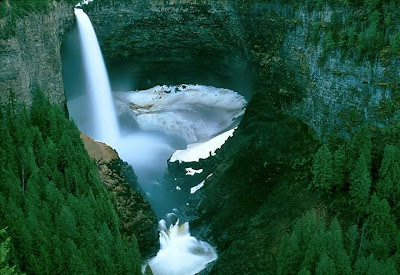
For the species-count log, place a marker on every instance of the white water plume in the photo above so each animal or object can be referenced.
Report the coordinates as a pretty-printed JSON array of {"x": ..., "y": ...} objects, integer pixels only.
[
  {"x": 180, "y": 253},
  {"x": 103, "y": 124}
]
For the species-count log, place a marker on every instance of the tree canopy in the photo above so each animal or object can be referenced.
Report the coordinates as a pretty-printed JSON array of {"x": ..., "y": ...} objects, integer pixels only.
[{"x": 59, "y": 217}]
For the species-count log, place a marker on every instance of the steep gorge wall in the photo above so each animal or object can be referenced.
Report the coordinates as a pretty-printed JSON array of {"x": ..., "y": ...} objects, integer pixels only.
[
  {"x": 339, "y": 93},
  {"x": 200, "y": 39},
  {"x": 225, "y": 37},
  {"x": 32, "y": 58},
  {"x": 266, "y": 47},
  {"x": 332, "y": 94}
]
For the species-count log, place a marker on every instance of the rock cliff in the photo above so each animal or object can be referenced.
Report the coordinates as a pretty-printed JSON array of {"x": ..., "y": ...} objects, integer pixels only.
[
  {"x": 253, "y": 46},
  {"x": 261, "y": 176},
  {"x": 135, "y": 214},
  {"x": 31, "y": 58}
]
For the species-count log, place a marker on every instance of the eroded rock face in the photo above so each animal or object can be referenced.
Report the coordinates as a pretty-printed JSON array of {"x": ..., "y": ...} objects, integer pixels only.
[
  {"x": 135, "y": 214},
  {"x": 32, "y": 58},
  {"x": 176, "y": 39},
  {"x": 269, "y": 43}
]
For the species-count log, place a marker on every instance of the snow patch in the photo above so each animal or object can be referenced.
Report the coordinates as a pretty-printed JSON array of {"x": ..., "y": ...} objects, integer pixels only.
[
  {"x": 197, "y": 187},
  {"x": 197, "y": 151},
  {"x": 190, "y": 171}
]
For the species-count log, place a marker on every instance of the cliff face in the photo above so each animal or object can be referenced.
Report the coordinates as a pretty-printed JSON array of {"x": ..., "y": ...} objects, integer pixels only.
[
  {"x": 31, "y": 58},
  {"x": 339, "y": 93},
  {"x": 261, "y": 176},
  {"x": 257, "y": 46},
  {"x": 135, "y": 214},
  {"x": 183, "y": 41},
  {"x": 231, "y": 40}
]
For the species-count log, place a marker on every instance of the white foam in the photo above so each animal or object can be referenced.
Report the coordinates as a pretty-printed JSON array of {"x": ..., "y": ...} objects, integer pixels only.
[{"x": 180, "y": 253}]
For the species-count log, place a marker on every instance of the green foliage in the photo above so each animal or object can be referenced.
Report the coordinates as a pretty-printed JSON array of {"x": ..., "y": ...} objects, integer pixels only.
[
  {"x": 148, "y": 271},
  {"x": 365, "y": 164},
  {"x": 5, "y": 269},
  {"x": 329, "y": 43},
  {"x": 339, "y": 167},
  {"x": 360, "y": 186},
  {"x": 312, "y": 248},
  {"x": 389, "y": 173},
  {"x": 18, "y": 9},
  {"x": 360, "y": 29},
  {"x": 60, "y": 218},
  {"x": 381, "y": 228},
  {"x": 3, "y": 9},
  {"x": 395, "y": 44},
  {"x": 322, "y": 169}
]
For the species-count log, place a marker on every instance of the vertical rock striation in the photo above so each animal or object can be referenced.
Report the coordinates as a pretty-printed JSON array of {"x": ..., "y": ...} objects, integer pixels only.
[{"x": 31, "y": 58}]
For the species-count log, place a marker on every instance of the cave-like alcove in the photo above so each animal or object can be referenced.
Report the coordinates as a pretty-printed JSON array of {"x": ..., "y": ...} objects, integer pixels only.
[{"x": 146, "y": 45}]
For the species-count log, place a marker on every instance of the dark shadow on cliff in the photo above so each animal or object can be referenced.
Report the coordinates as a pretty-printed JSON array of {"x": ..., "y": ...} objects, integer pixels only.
[{"x": 259, "y": 187}]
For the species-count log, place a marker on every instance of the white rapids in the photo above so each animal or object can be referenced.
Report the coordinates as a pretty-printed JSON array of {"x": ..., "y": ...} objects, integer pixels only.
[{"x": 180, "y": 253}]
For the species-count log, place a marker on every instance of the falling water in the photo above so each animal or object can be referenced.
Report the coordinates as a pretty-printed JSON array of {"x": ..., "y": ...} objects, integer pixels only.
[
  {"x": 104, "y": 125},
  {"x": 180, "y": 253}
]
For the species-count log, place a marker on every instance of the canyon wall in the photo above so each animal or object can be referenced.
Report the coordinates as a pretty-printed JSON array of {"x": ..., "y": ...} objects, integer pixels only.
[
  {"x": 261, "y": 178},
  {"x": 255, "y": 46},
  {"x": 231, "y": 40},
  {"x": 31, "y": 58}
]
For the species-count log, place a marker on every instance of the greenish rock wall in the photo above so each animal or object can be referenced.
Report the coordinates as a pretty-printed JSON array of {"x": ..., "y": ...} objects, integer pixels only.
[
  {"x": 265, "y": 46},
  {"x": 31, "y": 58}
]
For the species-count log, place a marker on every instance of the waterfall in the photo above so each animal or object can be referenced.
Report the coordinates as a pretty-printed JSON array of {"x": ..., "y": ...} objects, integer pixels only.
[
  {"x": 104, "y": 125},
  {"x": 180, "y": 253}
]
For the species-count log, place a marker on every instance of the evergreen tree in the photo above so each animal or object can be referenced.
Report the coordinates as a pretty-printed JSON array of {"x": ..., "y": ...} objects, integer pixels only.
[
  {"x": 322, "y": 169},
  {"x": 60, "y": 218},
  {"x": 326, "y": 266},
  {"x": 360, "y": 186},
  {"x": 389, "y": 172},
  {"x": 5, "y": 269},
  {"x": 340, "y": 176},
  {"x": 359, "y": 144},
  {"x": 382, "y": 228}
]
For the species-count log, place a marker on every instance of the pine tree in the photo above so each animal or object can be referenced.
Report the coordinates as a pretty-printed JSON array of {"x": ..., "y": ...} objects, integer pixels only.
[
  {"x": 340, "y": 175},
  {"x": 5, "y": 269},
  {"x": 289, "y": 255},
  {"x": 359, "y": 144},
  {"x": 334, "y": 240},
  {"x": 389, "y": 172},
  {"x": 352, "y": 241},
  {"x": 381, "y": 227},
  {"x": 360, "y": 186},
  {"x": 326, "y": 266},
  {"x": 322, "y": 169}
]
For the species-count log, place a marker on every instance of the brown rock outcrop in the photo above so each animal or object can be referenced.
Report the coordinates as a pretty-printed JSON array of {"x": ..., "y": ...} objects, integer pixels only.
[{"x": 135, "y": 214}]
